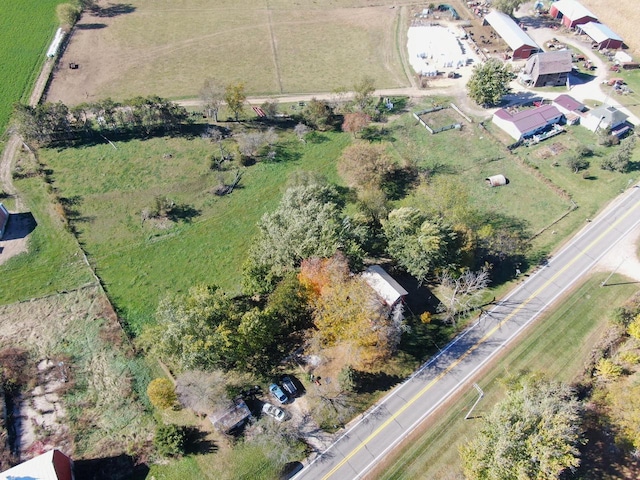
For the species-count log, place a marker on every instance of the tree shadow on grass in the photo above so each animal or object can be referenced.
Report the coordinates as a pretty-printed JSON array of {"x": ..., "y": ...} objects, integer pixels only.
[
  {"x": 119, "y": 467},
  {"x": 198, "y": 443},
  {"x": 316, "y": 137},
  {"x": 90, "y": 26},
  {"x": 368, "y": 382},
  {"x": 183, "y": 212},
  {"x": 113, "y": 10}
]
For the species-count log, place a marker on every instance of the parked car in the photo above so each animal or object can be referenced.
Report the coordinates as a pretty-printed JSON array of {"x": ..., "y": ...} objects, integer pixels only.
[
  {"x": 277, "y": 392},
  {"x": 273, "y": 411},
  {"x": 289, "y": 386}
]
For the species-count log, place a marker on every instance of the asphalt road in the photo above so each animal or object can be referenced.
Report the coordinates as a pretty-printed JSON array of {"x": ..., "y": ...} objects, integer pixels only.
[{"x": 366, "y": 441}]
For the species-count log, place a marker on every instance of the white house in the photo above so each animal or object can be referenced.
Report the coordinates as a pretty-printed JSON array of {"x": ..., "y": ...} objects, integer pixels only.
[
  {"x": 526, "y": 123},
  {"x": 604, "y": 117}
]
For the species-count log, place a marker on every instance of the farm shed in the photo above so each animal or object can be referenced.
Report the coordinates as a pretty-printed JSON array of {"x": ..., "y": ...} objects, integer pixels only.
[
  {"x": 4, "y": 218},
  {"x": 623, "y": 57},
  {"x": 51, "y": 465},
  {"x": 55, "y": 44},
  {"x": 548, "y": 69},
  {"x": 390, "y": 291},
  {"x": 604, "y": 117},
  {"x": 526, "y": 123},
  {"x": 521, "y": 43},
  {"x": 497, "y": 180},
  {"x": 602, "y": 35},
  {"x": 571, "y": 13},
  {"x": 234, "y": 417}
]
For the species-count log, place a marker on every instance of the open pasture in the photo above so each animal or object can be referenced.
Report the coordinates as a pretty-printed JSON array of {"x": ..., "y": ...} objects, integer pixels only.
[
  {"x": 27, "y": 28},
  {"x": 168, "y": 48},
  {"x": 140, "y": 262}
]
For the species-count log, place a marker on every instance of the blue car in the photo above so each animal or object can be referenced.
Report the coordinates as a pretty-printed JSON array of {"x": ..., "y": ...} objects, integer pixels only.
[{"x": 277, "y": 392}]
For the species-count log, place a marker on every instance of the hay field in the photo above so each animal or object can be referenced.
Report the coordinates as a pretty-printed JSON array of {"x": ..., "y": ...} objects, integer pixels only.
[
  {"x": 169, "y": 47},
  {"x": 622, "y": 16}
]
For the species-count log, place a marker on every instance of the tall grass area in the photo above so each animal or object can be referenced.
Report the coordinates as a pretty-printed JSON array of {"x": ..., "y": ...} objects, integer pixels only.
[
  {"x": 53, "y": 263},
  {"x": 142, "y": 261},
  {"x": 557, "y": 345},
  {"x": 26, "y": 29}
]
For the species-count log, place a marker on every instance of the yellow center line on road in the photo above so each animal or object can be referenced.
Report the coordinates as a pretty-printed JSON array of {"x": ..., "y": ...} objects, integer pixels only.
[{"x": 475, "y": 346}]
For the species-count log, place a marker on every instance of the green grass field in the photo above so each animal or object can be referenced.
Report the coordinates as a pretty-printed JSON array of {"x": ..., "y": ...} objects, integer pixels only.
[
  {"x": 139, "y": 262},
  {"x": 557, "y": 346},
  {"x": 26, "y": 28}
]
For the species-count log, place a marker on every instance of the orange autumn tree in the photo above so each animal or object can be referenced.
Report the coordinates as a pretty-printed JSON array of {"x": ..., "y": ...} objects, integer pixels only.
[{"x": 347, "y": 312}]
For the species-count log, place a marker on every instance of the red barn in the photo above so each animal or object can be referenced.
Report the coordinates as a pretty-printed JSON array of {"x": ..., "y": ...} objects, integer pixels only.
[
  {"x": 571, "y": 13},
  {"x": 522, "y": 44},
  {"x": 602, "y": 36}
]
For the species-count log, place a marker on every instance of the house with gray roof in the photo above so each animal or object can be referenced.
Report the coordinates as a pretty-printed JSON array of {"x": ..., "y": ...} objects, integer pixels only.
[{"x": 603, "y": 117}]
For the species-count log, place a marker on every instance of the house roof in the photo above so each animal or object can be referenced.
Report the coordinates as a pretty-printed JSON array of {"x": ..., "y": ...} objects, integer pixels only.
[
  {"x": 572, "y": 9},
  {"x": 554, "y": 62},
  {"x": 383, "y": 284},
  {"x": 569, "y": 103},
  {"x": 611, "y": 115},
  {"x": 51, "y": 465},
  {"x": 530, "y": 119},
  {"x": 509, "y": 30},
  {"x": 599, "y": 32},
  {"x": 232, "y": 417}
]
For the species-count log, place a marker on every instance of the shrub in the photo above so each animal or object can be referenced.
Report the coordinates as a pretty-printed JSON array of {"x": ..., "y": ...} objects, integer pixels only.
[
  {"x": 630, "y": 358},
  {"x": 608, "y": 369},
  {"x": 161, "y": 393},
  {"x": 583, "y": 151},
  {"x": 577, "y": 163},
  {"x": 169, "y": 440},
  {"x": 347, "y": 379},
  {"x": 634, "y": 327}
]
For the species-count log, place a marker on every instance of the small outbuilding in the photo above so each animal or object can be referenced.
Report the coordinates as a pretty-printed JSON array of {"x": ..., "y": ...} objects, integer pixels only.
[
  {"x": 521, "y": 43},
  {"x": 497, "y": 180},
  {"x": 233, "y": 418},
  {"x": 527, "y": 123},
  {"x": 571, "y": 13},
  {"x": 548, "y": 69},
  {"x": 385, "y": 286},
  {"x": 604, "y": 117},
  {"x": 567, "y": 104},
  {"x": 51, "y": 465},
  {"x": 602, "y": 36},
  {"x": 4, "y": 219}
]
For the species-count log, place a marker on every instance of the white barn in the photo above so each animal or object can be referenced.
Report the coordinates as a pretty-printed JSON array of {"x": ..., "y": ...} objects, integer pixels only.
[{"x": 390, "y": 291}]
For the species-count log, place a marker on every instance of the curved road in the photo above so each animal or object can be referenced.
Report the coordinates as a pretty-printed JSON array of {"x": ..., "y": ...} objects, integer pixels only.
[{"x": 369, "y": 439}]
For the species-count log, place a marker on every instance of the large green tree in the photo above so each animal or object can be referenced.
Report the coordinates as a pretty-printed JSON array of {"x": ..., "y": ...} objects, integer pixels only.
[
  {"x": 489, "y": 82},
  {"x": 419, "y": 244},
  {"x": 308, "y": 223},
  {"x": 507, "y": 6},
  {"x": 235, "y": 97},
  {"x": 533, "y": 433}
]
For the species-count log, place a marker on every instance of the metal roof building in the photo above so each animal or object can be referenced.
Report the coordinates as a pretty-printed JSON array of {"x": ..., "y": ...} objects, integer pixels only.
[
  {"x": 51, "y": 465},
  {"x": 572, "y": 13},
  {"x": 384, "y": 285},
  {"x": 526, "y": 123},
  {"x": 602, "y": 35},
  {"x": 521, "y": 43}
]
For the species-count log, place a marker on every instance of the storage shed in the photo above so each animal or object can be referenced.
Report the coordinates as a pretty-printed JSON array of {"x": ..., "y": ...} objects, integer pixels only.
[
  {"x": 571, "y": 13},
  {"x": 526, "y": 123},
  {"x": 496, "y": 180},
  {"x": 233, "y": 418},
  {"x": 521, "y": 43},
  {"x": 602, "y": 36},
  {"x": 385, "y": 286},
  {"x": 548, "y": 69},
  {"x": 4, "y": 219}
]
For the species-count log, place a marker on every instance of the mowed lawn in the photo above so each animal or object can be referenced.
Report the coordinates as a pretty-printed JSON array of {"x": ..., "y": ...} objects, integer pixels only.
[
  {"x": 141, "y": 262},
  {"x": 556, "y": 346},
  {"x": 26, "y": 28},
  {"x": 168, "y": 48}
]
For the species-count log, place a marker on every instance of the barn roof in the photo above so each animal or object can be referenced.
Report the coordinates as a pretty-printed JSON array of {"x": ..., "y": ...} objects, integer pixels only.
[
  {"x": 51, "y": 465},
  {"x": 383, "y": 284},
  {"x": 530, "y": 119},
  {"x": 554, "y": 62},
  {"x": 572, "y": 9},
  {"x": 510, "y": 32},
  {"x": 599, "y": 32},
  {"x": 569, "y": 103}
]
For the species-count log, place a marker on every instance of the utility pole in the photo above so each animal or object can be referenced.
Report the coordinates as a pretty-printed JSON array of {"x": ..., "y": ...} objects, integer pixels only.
[{"x": 480, "y": 395}]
